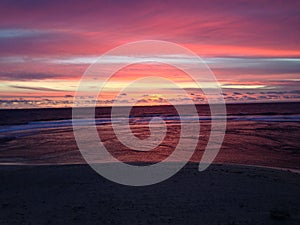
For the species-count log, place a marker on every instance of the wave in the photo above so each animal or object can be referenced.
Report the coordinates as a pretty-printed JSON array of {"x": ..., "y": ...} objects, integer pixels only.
[{"x": 25, "y": 129}]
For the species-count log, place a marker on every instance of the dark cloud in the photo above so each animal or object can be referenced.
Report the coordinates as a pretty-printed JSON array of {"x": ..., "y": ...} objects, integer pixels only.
[
  {"x": 249, "y": 98},
  {"x": 262, "y": 97},
  {"x": 24, "y": 103},
  {"x": 295, "y": 92},
  {"x": 34, "y": 88},
  {"x": 40, "y": 42},
  {"x": 246, "y": 65},
  {"x": 19, "y": 76}
]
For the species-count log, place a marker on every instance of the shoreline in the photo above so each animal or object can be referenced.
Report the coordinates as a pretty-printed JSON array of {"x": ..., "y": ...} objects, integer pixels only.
[
  {"x": 204, "y": 104},
  {"x": 286, "y": 169},
  {"x": 24, "y": 116}
]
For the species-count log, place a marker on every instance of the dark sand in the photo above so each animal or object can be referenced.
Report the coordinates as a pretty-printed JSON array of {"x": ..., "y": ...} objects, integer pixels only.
[{"x": 75, "y": 194}]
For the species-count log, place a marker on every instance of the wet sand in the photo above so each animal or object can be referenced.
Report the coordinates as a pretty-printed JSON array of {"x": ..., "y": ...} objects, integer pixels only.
[{"x": 75, "y": 194}]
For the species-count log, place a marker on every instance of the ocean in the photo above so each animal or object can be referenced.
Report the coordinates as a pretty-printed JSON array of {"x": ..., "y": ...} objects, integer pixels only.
[{"x": 260, "y": 134}]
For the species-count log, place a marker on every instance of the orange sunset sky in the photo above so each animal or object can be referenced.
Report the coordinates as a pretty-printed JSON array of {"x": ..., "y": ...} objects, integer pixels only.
[{"x": 253, "y": 47}]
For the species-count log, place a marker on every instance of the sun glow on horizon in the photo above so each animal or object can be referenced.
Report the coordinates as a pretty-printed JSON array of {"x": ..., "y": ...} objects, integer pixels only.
[{"x": 45, "y": 52}]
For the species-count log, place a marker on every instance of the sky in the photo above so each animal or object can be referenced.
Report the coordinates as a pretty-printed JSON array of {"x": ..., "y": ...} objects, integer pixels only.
[{"x": 252, "y": 47}]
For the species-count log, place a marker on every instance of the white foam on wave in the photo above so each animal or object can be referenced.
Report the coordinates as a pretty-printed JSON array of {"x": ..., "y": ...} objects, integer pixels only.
[
  {"x": 276, "y": 118},
  {"x": 43, "y": 125}
]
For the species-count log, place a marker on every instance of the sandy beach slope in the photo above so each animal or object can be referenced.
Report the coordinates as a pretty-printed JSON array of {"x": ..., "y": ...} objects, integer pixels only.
[{"x": 75, "y": 194}]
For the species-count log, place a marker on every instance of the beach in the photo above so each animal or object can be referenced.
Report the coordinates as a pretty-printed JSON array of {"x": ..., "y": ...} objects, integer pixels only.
[
  {"x": 75, "y": 194},
  {"x": 253, "y": 180}
]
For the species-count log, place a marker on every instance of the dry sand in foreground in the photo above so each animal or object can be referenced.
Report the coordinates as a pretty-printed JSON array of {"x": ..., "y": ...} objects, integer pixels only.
[{"x": 75, "y": 194}]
